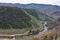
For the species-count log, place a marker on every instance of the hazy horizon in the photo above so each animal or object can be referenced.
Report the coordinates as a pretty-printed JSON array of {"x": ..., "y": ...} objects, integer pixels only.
[{"x": 52, "y": 2}]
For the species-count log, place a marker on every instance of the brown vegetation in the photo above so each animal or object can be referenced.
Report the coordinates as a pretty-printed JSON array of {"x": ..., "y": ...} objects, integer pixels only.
[{"x": 51, "y": 34}]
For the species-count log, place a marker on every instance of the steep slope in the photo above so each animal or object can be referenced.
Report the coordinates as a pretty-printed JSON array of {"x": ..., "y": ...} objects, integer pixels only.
[
  {"x": 12, "y": 17},
  {"x": 36, "y": 24},
  {"x": 56, "y": 14},
  {"x": 18, "y": 18},
  {"x": 39, "y": 15}
]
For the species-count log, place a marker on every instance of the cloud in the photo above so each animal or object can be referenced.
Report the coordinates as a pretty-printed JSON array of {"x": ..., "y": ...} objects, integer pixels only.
[
  {"x": 55, "y": 2},
  {"x": 9, "y": 1}
]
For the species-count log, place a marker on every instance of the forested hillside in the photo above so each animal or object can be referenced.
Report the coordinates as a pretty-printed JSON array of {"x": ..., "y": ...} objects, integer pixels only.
[
  {"x": 34, "y": 21},
  {"x": 39, "y": 15},
  {"x": 12, "y": 17}
]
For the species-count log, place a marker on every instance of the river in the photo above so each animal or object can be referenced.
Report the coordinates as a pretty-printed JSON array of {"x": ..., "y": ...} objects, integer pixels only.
[
  {"x": 45, "y": 28},
  {"x": 27, "y": 37}
]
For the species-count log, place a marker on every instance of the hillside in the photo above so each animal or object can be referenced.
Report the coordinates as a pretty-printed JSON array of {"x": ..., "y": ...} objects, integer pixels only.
[
  {"x": 56, "y": 14},
  {"x": 19, "y": 18},
  {"x": 49, "y": 10},
  {"x": 46, "y": 9},
  {"x": 39, "y": 15},
  {"x": 12, "y": 17},
  {"x": 52, "y": 34},
  {"x": 31, "y": 19}
]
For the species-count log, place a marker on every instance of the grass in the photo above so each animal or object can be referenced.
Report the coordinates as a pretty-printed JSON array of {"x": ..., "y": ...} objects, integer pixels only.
[
  {"x": 12, "y": 31},
  {"x": 58, "y": 38},
  {"x": 40, "y": 23},
  {"x": 50, "y": 25}
]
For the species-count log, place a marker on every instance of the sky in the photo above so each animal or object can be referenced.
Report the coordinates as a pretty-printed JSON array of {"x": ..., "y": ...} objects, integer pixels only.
[{"x": 53, "y": 2}]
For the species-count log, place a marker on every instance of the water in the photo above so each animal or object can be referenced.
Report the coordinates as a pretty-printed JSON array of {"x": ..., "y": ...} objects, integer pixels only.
[
  {"x": 45, "y": 27},
  {"x": 25, "y": 37}
]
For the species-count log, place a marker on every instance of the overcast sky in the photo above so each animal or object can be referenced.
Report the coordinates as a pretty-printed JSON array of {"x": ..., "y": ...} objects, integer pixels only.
[{"x": 54, "y": 2}]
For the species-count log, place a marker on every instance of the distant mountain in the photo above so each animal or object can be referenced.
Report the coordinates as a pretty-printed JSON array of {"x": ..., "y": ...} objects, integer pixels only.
[{"x": 46, "y": 9}]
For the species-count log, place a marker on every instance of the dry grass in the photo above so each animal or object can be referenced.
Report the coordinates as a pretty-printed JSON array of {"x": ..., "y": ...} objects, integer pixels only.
[
  {"x": 12, "y": 31},
  {"x": 49, "y": 34}
]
